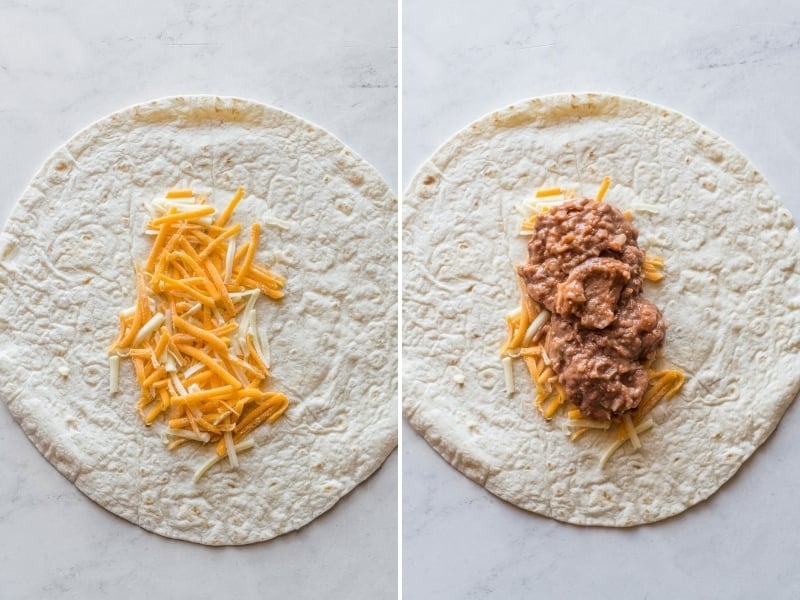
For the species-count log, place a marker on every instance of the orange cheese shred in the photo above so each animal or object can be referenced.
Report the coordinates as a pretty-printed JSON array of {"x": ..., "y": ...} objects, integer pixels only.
[
  {"x": 226, "y": 214},
  {"x": 554, "y": 191},
  {"x": 242, "y": 270},
  {"x": 601, "y": 193},
  {"x": 179, "y": 194},
  {"x": 182, "y": 216},
  {"x": 269, "y": 410}
]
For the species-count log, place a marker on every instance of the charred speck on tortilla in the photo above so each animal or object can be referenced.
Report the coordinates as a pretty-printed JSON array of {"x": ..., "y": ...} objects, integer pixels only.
[{"x": 585, "y": 266}]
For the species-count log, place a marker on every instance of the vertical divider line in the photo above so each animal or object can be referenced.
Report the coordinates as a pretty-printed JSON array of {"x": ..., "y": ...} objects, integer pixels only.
[{"x": 400, "y": 185}]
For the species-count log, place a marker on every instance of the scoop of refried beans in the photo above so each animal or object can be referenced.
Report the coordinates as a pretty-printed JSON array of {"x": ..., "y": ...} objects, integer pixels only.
[{"x": 585, "y": 267}]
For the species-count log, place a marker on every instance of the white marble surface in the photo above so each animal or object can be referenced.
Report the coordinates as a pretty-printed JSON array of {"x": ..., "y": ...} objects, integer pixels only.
[
  {"x": 333, "y": 63},
  {"x": 734, "y": 66}
]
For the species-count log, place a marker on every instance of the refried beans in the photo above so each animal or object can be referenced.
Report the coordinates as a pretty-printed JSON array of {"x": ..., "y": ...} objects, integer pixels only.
[{"x": 585, "y": 266}]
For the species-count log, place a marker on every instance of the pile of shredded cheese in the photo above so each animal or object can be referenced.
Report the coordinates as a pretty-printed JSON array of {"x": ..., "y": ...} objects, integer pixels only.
[
  {"x": 524, "y": 322},
  {"x": 192, "y": 335}
]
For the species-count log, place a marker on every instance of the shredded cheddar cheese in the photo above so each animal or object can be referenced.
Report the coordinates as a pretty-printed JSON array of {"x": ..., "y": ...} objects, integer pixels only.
[
  {"x": 651, "y": 269},
  {"x": 603, "y": 189},
  {"x": 191, "y": 335},
  {"x": 521, "y": 341},
  {"x": 555, "y": 191},
  {"x": 641, "y": 428}
]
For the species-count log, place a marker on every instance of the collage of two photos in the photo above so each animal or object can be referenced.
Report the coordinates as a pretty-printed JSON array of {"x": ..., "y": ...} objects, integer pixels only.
[{"x": 379, "y": 300}]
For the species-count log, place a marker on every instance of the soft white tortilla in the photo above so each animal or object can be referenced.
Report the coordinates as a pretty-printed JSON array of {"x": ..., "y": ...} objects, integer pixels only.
[
  {"x": 731, "y": 296},
  {"x": 66, "y": 271}
]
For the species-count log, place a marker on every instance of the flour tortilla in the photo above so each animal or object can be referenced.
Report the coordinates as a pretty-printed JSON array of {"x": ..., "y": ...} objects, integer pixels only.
[
  {"x": 731, "y": 296},
  {"x": 66, "y": 271}
]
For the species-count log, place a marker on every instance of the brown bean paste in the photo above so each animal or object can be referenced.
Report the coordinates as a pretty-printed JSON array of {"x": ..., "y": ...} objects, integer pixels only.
[{"x": 585, "y": 266}]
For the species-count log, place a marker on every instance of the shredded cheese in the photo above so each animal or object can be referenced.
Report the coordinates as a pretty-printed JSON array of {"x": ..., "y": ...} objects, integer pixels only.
[
  {"x": 525, "y": 321},
  {"x": 191, "y": 334},
  {"x": 179, "y": 194},
  {"x": 651, "y": 268},
  {"x": 508, "y": 373},
  {"x": 631, "y": 431},
  {"x": 148, "y": 328},
  {"x": 276, "y": 222},
  {"x": 554, "y": 191},
  {"x": 587, "y": 423},
  {"x": 640, "y": 428},
  {"x": 648, "y": 208},
  {"x": 603, "y": 189},
  {"x": 535, "y": 326},
  {"x": 229, "y": 254},
  {"x": 239, "y": 448},
  {"x": 230, "y": 449}
]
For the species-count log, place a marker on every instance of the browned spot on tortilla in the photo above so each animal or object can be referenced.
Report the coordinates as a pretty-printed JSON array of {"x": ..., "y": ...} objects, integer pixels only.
[
  {"x": 709, "y": 186},
  {"x": 61, "y": 166},
  {"x": 516, "y": 119},
  {"x": 429, "y": 180},
  {"x": 355, "y": 178}
]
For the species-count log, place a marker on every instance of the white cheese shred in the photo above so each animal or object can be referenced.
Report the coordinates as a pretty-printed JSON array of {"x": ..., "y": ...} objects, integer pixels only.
[
  {"x": 649, "y": 208},
  {"x": 588, "y": 423},
  {"x": 535, "y": 326},
  {"x": 626, "y": 419},
  {"x": 190, "y": 435},
  {"x": 251, "y": 301},
  {"x": 177, "y": 383},
  {"x": 508, "y": 372},
  {"x": 229, "y": 254},
  {"x": 149, "y": 328},
  {"x": 276, "y": 222},
  {"x": 236, "y": 348},
  {"x": 192, "y": 310},
  {"x": 113, "y": 373},
  {"x": 546, "y": 358},
  {"x": 230, "y": 449},
  {"x": 192, "y": 370},
  {"x": 240, "y": 447},
  {"x": 240, "y": 375},
  {"x": 641, "y": 428},
  {"x": 237, "y": 296},
  {"x": 128, "y": 312}
]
